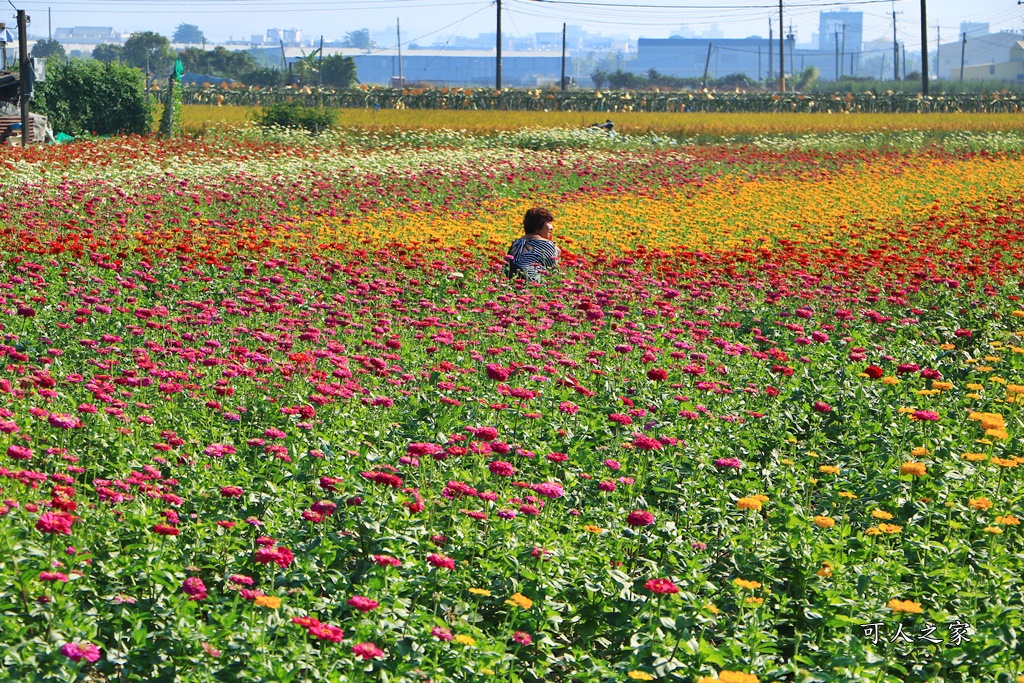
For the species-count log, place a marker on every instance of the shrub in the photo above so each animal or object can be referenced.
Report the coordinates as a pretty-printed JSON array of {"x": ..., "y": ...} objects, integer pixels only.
[
  {"x": 295, "y": 115},
  {"x": 87, "y": 96}
]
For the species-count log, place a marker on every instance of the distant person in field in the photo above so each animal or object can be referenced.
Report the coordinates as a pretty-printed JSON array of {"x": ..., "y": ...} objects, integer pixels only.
[{"x": 535, "y": 252}]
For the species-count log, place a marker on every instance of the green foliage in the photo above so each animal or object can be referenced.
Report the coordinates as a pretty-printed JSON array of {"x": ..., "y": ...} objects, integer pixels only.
[
  {"x": 807, "y": 78},
  {"x": 188, "y": 34},
  {"x": 358, "y": 39},
  {"x": 263, "y": 77},
  {"x": 218, "y": 62},
  {"x": 108, "y": 53},
  {"x": 87, "y": 96},
  {"x": 150, "y": 52},
  {"x": 45, "y": 49},
  {"x": 336, "y": 71},
  {"x": 294, "y": 115},
  {"x": 170, "y": 124}
]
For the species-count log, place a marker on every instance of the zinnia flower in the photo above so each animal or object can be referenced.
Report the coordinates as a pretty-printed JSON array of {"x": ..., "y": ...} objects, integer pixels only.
[
  {"x": 367, "y": 651},
  {"x": 76, "y": 652},
  {"x": 661, "y": 586},
  {"x": 639, "y": 518}
]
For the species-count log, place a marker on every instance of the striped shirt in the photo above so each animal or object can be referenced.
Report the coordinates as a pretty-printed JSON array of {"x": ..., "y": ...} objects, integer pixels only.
[{"x": 531, "y": 255}]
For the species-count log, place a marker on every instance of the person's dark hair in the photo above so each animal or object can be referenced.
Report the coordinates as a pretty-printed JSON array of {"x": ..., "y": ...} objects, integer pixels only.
[{"x": 535, "y": 220}]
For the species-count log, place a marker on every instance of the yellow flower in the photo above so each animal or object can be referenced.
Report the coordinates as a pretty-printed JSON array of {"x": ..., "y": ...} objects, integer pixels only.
[
  {"x": 970, "y": 361},
  {"x": 947, "y": 346},
  {"x": 640, "y": 676},
  {"x": 761, "y": 498},
  {"x": 1018, "y": 314},
  {"x": 711, "y": 608},
  {"x": 487, "y": 671},
  {"x": 942, "y": 386},
  {"x": 997, "y": 434},
  {"x": 917, "y": 469},
  {"x": 748, "y": 504},
  {"x": 824, "y": 522},
  {"x": 520, "y": 600},
  {"x": 468, "y": 641},
  {"x": 920, "y": 451},
  {"x": 974, "y": 457},
  {"x": 994, "y": 529},
  {"x": 890, "y": 528},
  {"x": 992, "y": 359},
  {"x": 926, "y": 392},
  {"x": 754, "y": 601},
  {"x": 977, "y": 387},
  {"x": 1008, "y": 520},
  {"x": 786, "y": 461},
  {"x": 828, "y": 469},
  {"x": 890, "y": 381},
  {"x": 984, "y": 368},
  {"x": 737, "y": 677},
  {"x": 1015, "y": 389},
  {"x": 267, "y": 601},
  {"x": 743, "y": 583},
  {"x": 979, "y": 503},
  {"x": 973, "y": 395},
  {"x": 1004, "y": 462},
  {"x": 480, "y": 591},
  {"x": 880, "y": 514},
  {"x": 847, "y": 494},
  {"x": 590, "y": 528},
  {"x": 873, "y": 531},
  {"x": 997, "y": 380},
  {"x": 826, "y": 570},
  {"x": 905, "y": 606}
]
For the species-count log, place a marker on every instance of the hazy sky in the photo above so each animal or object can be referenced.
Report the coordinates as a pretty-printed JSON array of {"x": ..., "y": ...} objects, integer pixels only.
[{"x": 431, "y": 21}]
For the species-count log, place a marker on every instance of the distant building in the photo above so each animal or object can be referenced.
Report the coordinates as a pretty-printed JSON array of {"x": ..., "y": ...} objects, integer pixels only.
[
  {"x": 985, "y": 56},
  {"x": 94, "y": 35},
  {"x": 974, "y": 28},
  {"x": 1011, "y": 70},
  {"x": 841, "y": 34},
  {"x": 289, "y": 36}
]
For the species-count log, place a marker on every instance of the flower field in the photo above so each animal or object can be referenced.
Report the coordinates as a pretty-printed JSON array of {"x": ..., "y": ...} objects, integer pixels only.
[{"x": 270, "y": 412}]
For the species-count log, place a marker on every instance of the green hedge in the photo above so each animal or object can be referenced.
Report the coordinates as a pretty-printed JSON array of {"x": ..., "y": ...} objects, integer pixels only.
[{"x": 84, "y": 96}]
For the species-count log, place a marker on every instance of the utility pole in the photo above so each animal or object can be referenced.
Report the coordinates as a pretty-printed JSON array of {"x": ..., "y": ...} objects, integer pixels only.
[
  {"x": 23, "y": 74},
  {"x": 895, "y": 48},
  {"x": 49, "y": 22},
  {"x": 963, "y": 51},
  {"x": 924, "y": 48},
  {"x": 791, "y": 39},
  {"x": 771, "y": 53},
  {"x": 707, "y": 63},
  {"x": 904, "y": 61},
  {"x": 758, "y": 62},
  {"x": 563, "y": 56},
  {"x": 838, "y": 75},
  {"x": 843, "y": 51},
  {"x": 320, "y": 65},
  {"x": 497, "y": 63},
  {"x": 398, "y": 34},
  {"x": 284, "y": 59},
  {"x": 782, "y": 52}
]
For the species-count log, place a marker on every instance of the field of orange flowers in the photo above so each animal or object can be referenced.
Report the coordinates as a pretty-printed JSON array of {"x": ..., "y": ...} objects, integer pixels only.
[{"x": 271, "y": 411}]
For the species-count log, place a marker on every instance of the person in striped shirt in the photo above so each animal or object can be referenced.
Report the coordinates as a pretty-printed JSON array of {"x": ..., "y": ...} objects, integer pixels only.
[{"x": 535, "y": 252}]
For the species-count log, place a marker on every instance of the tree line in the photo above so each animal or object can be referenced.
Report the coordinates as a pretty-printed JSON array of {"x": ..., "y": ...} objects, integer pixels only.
[{"x": 152, "y": 53}]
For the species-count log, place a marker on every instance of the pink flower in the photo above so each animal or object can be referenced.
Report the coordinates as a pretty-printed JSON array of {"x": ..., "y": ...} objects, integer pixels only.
[
  {"x": 661, "y": 586},
  {"x": 53, "y": 577},
  {"x": 501, "y": 468},
  {"x": 612, "y": 465},
  {"x": 549, "y": 489},
  {"x": 728, "y": 463},
  {"x": 16, "y": 452},
  {"x": 640, "y": 518},
  {"x": 924, "y": 416},
  {"x": 442, "y": 634},
  {"x": 231, "y": 491},
  {"x": 326, "y": 632},
  {"x": 55, "y": 523},
  {"x": 194, "y": 588},
  {"x": 821, "y": 407},
  {"x": 362, "y": 604},
  {"x": 63, "y": 421},
  {"x": 522, "y": 637},
  {"x": 568, "y": 408},
  {"x": 367, "y": 651},
  {"x": 387, "y": 561},
  {"x": 76, "y": 652},
  {"x": 646, "y": 443},
  {"x": 441, "y": 561}
]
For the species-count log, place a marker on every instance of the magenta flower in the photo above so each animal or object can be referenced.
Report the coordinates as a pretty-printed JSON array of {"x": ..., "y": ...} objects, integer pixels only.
[
  {"x": 661, "y": 586},
  {"x": 924, "y": 416},
  {"x": 367, "y": 651},
  {"x": 76, "y": 652},
  {"x": 441, "y": 561},
  {"x": 501, "y": 468},
  {"x": 728, "y": 463},
  {"x": 362, "y": 604},
  {"x": 640, "y": 518},
  {"x": 55, "y": 523},
  {"x": 522, "y": 638},
  {"x": 442, "y": 634},
  {"x": 194, "y": 588}
]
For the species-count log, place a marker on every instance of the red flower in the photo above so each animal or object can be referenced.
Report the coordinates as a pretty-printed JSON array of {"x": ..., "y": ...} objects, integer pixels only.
[
  {"x": 640, "y": 518},
  {"x": 441, "y": 561},
  {"x": 821, "y": 407},
  {"x": 873, "y": 371},
  {"x": 367, "y": 651},
  {"x": 657, "y": 375},
  {"x": 362, "y": 604},
  {"x": 661, "y": 586},
  {"x": 55, "y": 523}
]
